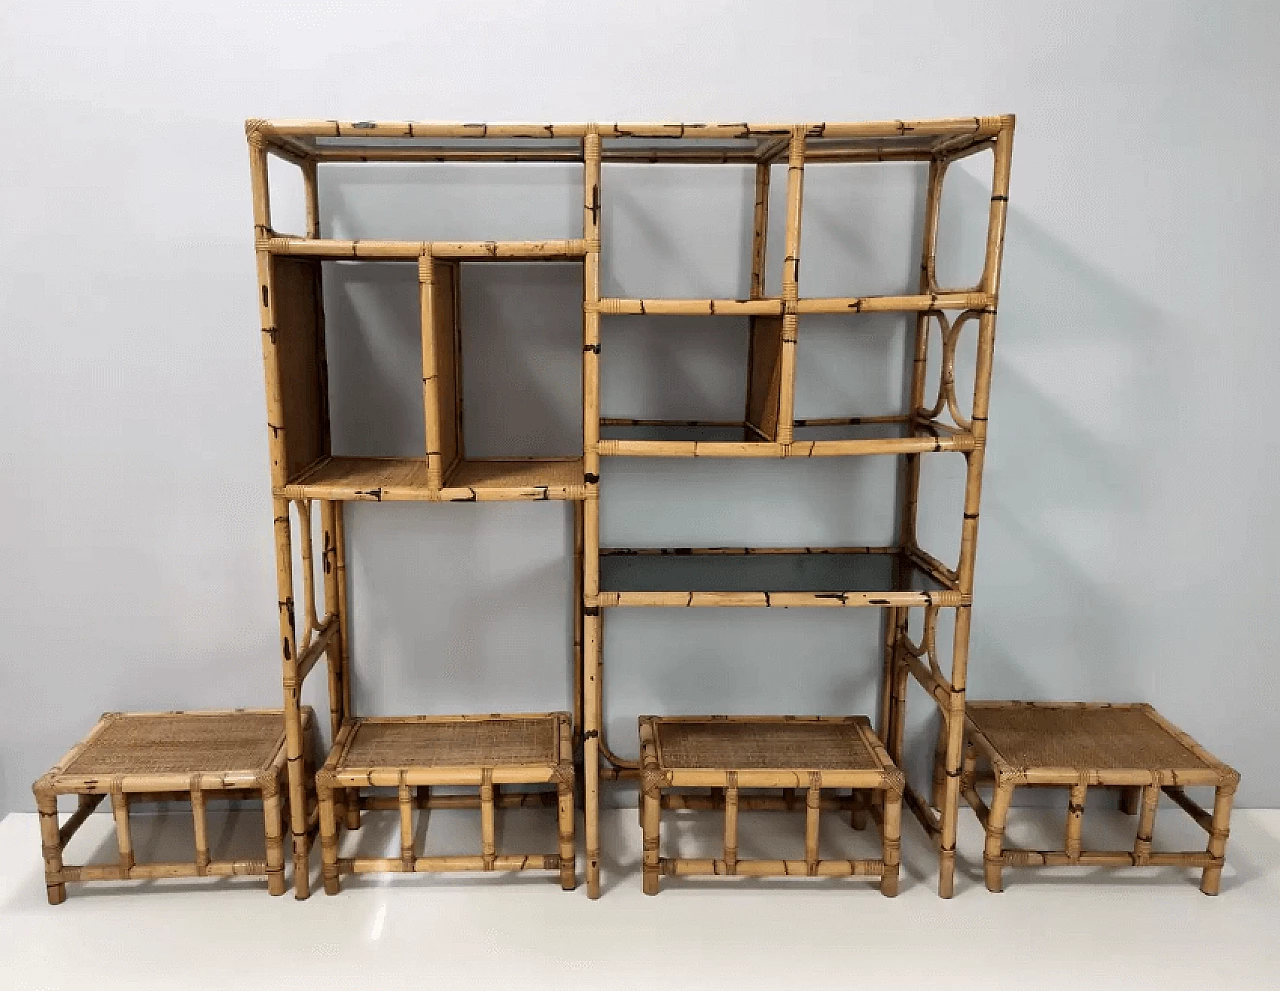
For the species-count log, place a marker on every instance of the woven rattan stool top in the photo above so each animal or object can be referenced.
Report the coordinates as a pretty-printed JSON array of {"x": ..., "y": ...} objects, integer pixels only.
[
  {"x": 526, "y": 748},
  {"x": 439, "y": 742},
  {"x": 774, "y": 743},
  {"x": 1087, "y": 736},
  {"x": 237, "y": 746}
]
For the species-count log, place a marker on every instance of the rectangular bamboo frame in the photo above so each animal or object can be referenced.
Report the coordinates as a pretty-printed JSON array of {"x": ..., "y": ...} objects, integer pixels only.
[
  {"x": 150, "y": 785},
  {"x": 339, "y": 782},
  {"x": 304, "y": 468},
  {"x": 885, "y": 780},
  {"x": 1140, "y": 788}
]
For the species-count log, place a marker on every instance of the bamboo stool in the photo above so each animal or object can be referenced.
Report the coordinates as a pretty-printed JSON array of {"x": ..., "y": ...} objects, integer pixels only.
[
  {"x": 168, "y": 756},
  {"x": 788, "y": 752},
  {"x": 1077, "y": 744},
  {"x": 414, "y": 753}
]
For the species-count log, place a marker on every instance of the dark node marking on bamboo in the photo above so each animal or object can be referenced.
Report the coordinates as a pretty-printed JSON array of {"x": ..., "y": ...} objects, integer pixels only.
[
  {"x": 591, "y": 348},
  {"x": 275, "y": 431},
  {"x": 364, "y": 124},
  {"x": 970, "y": 516},
  {"x": 591, "y": 478},
  {"x": 591, "y": 610},
  {"x": 842, "y": 596},
  {"x": 265, "y": 296},
  {"x": 766, "y": 599},
  {"x": 590, "y": 734},
  {"x": 999, "y": 199},
  {"x": 878, "y": 602},
  {"x": 374, "y": 494},
  {"x": 690, "y": 601},
  {"x": 271, "y": 332},
  {"x": 287, "y": 649}
]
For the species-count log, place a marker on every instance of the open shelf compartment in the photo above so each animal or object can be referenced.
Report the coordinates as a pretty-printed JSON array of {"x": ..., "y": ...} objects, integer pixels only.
[{"x": 780, "y": 577}]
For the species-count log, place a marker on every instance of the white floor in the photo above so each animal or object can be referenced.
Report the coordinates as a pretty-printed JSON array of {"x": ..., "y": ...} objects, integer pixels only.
[{"x": 1078, "y": 928}]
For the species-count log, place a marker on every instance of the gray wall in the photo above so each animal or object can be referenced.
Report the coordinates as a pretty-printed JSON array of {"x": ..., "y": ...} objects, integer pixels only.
[{"x": 1127, "y": 529}]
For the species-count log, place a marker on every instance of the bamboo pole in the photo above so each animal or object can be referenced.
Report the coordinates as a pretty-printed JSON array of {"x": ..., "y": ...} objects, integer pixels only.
[
  {"x": 405, "y": 801},
  {"x": 200, "y": 825},
  {"x": 568, "y": 871},
  {"x": 333, "y": 613},
  {"x": 992, "y": 859},
  {"x": 691, "y": 867},
  {"x": 731, "y": 822},
  {"x": 311, "y": 190},
  {"x": 1146, "y": 821},
  {"x": 591, "y": 653},
  {"x": 891, "y": 843},
  {"x": 51, "y": 843},
  {"x": 124, "y": 836},
  {"x": 813, "y": 807},
  {"x": 273, "y": 829},
  {"x": 791, "y": 287},
  {"x": 577, "y": 627},
  {"x": 1211, "y": 879},
  {"x": 1075, "y": 818}
]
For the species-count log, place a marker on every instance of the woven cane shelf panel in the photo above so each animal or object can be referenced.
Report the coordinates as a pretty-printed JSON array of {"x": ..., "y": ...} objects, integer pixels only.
[
  {"x": 181, "y": 743},
  {"x": 810, "y": 570},
  {"x": 767, "y": 743},
  {"x": 405, "y": 479},
  {"x": 1105, "y": 737},
  {"x": 434, "y": 742}
]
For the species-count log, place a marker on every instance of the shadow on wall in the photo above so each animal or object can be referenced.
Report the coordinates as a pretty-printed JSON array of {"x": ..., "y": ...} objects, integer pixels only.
[{"x": 1079, "y": 391}]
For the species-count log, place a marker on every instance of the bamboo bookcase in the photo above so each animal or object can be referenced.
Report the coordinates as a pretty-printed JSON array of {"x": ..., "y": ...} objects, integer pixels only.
[{"x": 902, "y": 579}]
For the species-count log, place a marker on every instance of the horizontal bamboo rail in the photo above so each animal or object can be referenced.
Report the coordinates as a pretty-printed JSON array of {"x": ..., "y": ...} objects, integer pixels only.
[
  {"x": 914, "y": 303},
  {"x": 436, "y": 865},
  {"x": 160, "y": 870},
  {"x": 570, "y": 250},
  {"x": 695, "y": 867},
  {"x": 959, "y": 129},
  {"x": 782, "y": 600},
  {"x": 752, "y": 803},
  {"x": 506, "y": 800},
  {"x": 866, "y": 447}
]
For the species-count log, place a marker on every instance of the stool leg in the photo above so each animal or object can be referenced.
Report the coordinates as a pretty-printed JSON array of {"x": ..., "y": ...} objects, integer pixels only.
[
  {"x": 351, "y": 807},
  {"x": 1129, "y": 800},
  {"x": 858, "y": 814},
  {"x": 651, "y": 807},
  {"x": 328, "y": 831},
  {"x": 273, "y": 827},
  {"x": 993, "y": 851},
  {"x": 124, "y": 836},
  {"x": 568, "y": 869},
  {"x": 891, "y": 843},
  {"x": 51, "y": 845},
  {"x": 1222, "y": 800}
]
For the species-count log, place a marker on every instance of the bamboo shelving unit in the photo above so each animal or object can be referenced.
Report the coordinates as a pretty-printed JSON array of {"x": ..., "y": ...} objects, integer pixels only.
[{"x": 903, "y": 579}]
